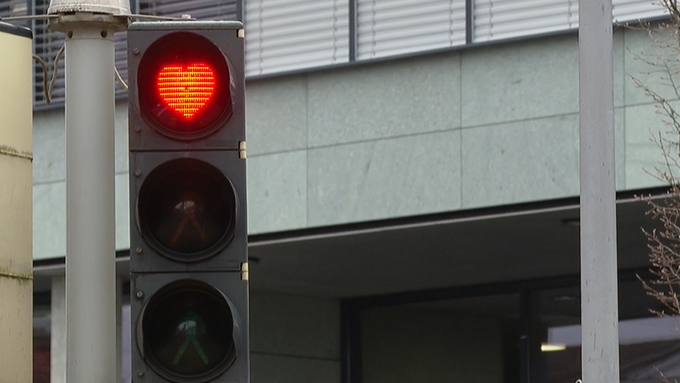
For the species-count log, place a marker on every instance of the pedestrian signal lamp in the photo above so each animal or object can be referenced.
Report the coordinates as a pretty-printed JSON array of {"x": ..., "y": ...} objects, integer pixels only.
[{"x": 188, "y": 244}]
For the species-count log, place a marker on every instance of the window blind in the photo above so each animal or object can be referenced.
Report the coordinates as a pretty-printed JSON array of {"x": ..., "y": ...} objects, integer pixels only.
[
  {"x": 198, "y": 9},
  {"x": 284, "y": 35},
  {"x": 501, "y": 19},
  {"x": 633, "y": 10},
  {"x": 393, "y": 27}
]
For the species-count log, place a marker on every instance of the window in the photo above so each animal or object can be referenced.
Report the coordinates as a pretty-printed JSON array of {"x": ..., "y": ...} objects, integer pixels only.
[
  {"x": 504, "y": 332},
  {"x": 41, "y": 344},
  {"x": 393, "y": 27},
  {"x": 293, "y": 35},
  {"x": 285, "y": 35}
]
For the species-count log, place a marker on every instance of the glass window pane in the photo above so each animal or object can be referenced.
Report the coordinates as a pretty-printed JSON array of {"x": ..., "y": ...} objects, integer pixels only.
[
  {"x": 647, "y": 342},
  {"x": 41, "y": 344},
  {"x": 467, "y": 340}
]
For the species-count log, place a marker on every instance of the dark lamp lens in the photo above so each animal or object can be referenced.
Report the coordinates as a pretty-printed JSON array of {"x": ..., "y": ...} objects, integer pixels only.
[
  {"x": 183, "y": 85},
  {"x": 188, "y": 332},
  {"x": 187, "y": 210}
]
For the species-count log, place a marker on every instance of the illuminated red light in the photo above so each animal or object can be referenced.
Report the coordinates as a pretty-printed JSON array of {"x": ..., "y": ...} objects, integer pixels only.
[{"x": 186, "y": 89}]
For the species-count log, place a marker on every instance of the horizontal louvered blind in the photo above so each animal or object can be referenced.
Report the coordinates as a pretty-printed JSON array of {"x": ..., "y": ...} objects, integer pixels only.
[
  {"x": 393, "y": 27},
  {"x": 501, "y": 19},
  {"x": 284, "y": 35},
  {"x": 198, "y": 9},
  {"x": 633, "y": 10}
]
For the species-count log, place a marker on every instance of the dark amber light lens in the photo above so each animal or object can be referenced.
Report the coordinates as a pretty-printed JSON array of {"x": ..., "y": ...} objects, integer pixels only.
[
  {"x": 188, "y": 332},
  {"x": 187, "y": 210},
  {"x": 183, "y": 85}
]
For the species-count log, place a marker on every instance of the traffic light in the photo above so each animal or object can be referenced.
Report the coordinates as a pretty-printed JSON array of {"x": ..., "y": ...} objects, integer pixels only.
[{"x": 188, "y": 244}]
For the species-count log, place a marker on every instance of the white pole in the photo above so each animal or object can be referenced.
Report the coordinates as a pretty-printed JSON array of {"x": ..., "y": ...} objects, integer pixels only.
[
  {"x": 58, "y": 330},
  {"x": 90, "y": 220},
  {"x": 599, "y": 305}
]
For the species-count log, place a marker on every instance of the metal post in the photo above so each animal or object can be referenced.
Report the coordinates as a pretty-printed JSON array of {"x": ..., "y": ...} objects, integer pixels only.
[
  {"x": 90, "y": 189},
  {"x": 599, "y": 305},
  {"x": 58, "y": 330},
  {"x": 90, "y": 216}
]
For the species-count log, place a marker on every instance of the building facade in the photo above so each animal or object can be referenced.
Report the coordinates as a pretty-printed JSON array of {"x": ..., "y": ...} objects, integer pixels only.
[{"x": 413, "y": 181}]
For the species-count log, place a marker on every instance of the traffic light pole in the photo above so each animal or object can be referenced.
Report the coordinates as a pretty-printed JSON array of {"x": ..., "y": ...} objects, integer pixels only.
[
  {"x": 90, "y": 193},
  {"x": 90, "y": 218}
]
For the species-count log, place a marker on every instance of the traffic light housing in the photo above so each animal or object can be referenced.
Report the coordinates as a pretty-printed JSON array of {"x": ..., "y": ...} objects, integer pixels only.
[{"x": 188, "y": 239}]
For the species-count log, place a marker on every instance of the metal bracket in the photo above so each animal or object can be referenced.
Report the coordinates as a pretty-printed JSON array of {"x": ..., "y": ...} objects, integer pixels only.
[
  {"x": 242, "y": 150},
  {"x": 244, "y": 271}
]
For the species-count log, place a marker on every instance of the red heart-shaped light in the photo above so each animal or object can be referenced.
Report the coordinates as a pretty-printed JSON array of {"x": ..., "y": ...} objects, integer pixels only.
[{"x": 186, "y": 89}]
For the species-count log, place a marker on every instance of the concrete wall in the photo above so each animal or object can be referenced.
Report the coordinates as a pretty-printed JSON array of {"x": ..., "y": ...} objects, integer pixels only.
[
  {"x": 412, "y": 345},
  {"x": 480, "y": 127}
]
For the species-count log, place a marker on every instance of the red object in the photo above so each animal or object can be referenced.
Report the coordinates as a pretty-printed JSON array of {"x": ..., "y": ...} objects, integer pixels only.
[
  {"x": 184, "y": 86},
  {"x": 186, "y": 89}
]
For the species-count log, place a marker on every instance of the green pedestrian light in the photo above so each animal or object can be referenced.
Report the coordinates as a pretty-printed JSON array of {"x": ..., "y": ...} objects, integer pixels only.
[{"x": 188, "y": 331}]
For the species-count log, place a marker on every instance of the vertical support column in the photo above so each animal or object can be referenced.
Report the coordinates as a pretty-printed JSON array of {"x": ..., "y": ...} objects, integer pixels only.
[
  {"x": 16, "y": 213},
  {"x": 532, "y": 366},
  {"x": 353, "y": 30},
  {"x": 599, "y": 304},
  {"x": 524, "y": 334},
  {"x": 126, "y": 344},
  {"x": 469, "y": 21},
  {"x": 90, "y": 218},
  {"x": 58, "y": 330},
  {"x": 119, "y": 328},
  {"x": 350, "y": 343}
]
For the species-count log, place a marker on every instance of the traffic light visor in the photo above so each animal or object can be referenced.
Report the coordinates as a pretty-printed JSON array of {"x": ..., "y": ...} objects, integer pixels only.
[
  {"x": 189, "y": 332},
  {"x": 187, "y": 210},
  {"x": 184, "y": 86}
]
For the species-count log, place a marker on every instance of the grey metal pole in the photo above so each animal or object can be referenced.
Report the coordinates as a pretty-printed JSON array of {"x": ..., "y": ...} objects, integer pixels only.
[
  {"x": 599, "y": 304},
  {"x": 90, "y": 190},
  {"x": 90, "y": 216}
]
